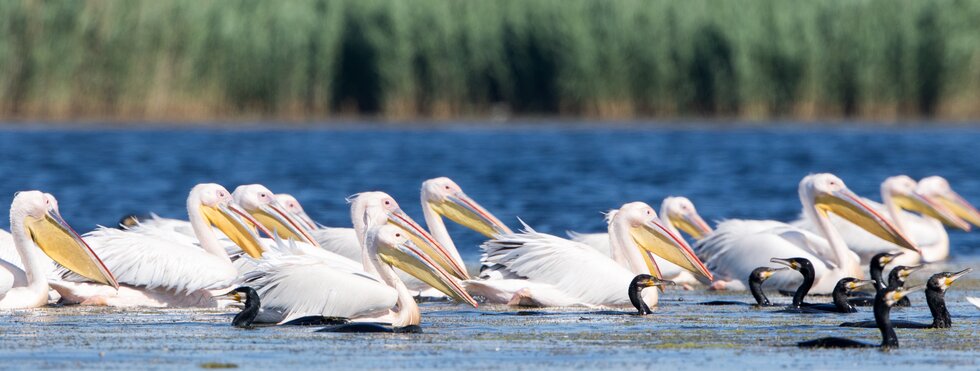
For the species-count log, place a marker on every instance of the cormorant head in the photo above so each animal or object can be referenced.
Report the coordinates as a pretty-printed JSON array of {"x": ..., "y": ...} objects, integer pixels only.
[
  {"x": 762, "y": 274},
  {"x": 849, "y": 284},
  {"x": 886, "y": 257},
  {"x": 901, "y": 273},
  {"x": 798, "y": 264},
  {"x": 240, "y": 294},
  {"x": 893, "y": 295},
  {"x": 941, "y": 281},
  {"x": 645, "y": 280}
]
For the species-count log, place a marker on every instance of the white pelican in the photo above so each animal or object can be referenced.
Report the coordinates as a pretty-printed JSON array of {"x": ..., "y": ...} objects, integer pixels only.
[
  {"x": 441, "y": 197},
  {"x": 739, "y": 246},
  {"x": 291, "y": 204},
  {"x": 35, "y": 221},
  {"x": 163, "y": 268},
  {"x": 899, "y": 193},
  {"x": 534, "y": 268},
  {"x": 675, "y": 212},
  {"x": 265, "y": 208},
  {"x": 292, "y": 286}
]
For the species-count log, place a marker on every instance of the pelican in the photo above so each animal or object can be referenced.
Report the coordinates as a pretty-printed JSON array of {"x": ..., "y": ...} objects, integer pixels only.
[
  {"x": 441, "y": 197},
  {"x": 933, "y": 198},
  {"x": 265, "y": 208},
  {"x": 533, "y": 268},
  {"x": 293, "y": 286},
  {"x": 739, "y": 246},
  {"x": 163, "y": 268},
  {"x": 292, "y": 205},
  {"x": 36, "y": 221},
  {"x": 675, "y": 212}
]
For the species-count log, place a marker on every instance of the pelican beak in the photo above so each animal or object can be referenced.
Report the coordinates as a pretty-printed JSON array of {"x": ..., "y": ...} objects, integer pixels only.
[
  {"x": 900, "y": 293},
  {"x": 956, "y": 276},
  {"x": 461, "y": 209},
  {"x": 692, "y": 224},
  {"x": 849, "y": 206},
  {"x": 275, "y": 217},
  {"x": 652, "y": 237},
  {"x": 919, "y": 203},
  {"x": 411, "y": 259},
  {"x": 959, "y": 206},
  {"x": 787, "y": 262},
  {"x": 427, "y": 243},
  {"x": 238, "y": 225},
  {"x": 60, "y": 242},
  {"x": 858, "y": 284}
]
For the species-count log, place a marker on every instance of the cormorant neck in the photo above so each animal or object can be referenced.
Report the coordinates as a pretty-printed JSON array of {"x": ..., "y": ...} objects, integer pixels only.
[
  {"x": 937, "y": 305},
  {"x": 247, "y": 316},
  {"x": 840, "y": 300},
  {"x": 804, "y": 287},
  {"x": 755, "y": 286},
  {"x": 876, "y": 269},
  {"x": 637, "y": 300},
  {"x": 882, "y": 312}
]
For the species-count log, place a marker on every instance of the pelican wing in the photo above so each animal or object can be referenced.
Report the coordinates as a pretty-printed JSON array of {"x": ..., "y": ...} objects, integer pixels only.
[
  {"x": 142, "y": 257},
  {"x": 739, "y": 246},
  {"x": 598, "y": 241},
  {"x": 308, "y": 285},
  {"x": 574, "y": 268},
  {"x": 342, "y": 241}
]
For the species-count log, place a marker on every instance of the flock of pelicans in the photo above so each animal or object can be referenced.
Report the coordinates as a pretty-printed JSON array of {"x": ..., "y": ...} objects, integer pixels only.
[{"x": 260, "y": 248}]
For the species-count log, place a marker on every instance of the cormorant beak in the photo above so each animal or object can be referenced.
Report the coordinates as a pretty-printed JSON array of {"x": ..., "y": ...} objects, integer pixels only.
[
  {"x": 656, "y": 282},
  {"x": 959, "y": 206},
  {"x": 428, "y": 244},
  {"x": 691, "y": 223},
  {"x": 769, "y": 273},
  {"x": 275, "y": 217},
  {"x": 890, "y": 257},
  {"x": 956, "y": 276},
  {"x": 922, "y": 204},
  {"x": 787, "y": 262},
  {"x": 652, "y": 237},
  {"x": 858, "y": 284},
  {"x": 411, "y": 259},
  {"x": 238, "y": 225},
  {"x": 849, "y": 206},
  {"x": 461, "y": 209},
  {"x": 60, "y": 242},
  {"x": 902, "y": 292},
  {"x": 232, "y": 295},
  {"x": 905, "y": 273}
]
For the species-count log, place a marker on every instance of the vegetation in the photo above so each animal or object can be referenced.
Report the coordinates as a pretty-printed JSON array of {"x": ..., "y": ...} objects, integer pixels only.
[{"x": 311, "y": 59}]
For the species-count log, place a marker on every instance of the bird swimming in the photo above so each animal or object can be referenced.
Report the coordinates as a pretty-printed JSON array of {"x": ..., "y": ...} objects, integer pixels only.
[
  {"x": 253, "y": 305},
  {"x": 876, "y": 268},
  {"x": 756, "y": 279},
  {"x": 935, "y": 297},
  {"x": 884, "y": 300},
  {"x": 840, "y": 303},
  {"x": 739, "y": 246},
  {"x": 640, "y": 282}
]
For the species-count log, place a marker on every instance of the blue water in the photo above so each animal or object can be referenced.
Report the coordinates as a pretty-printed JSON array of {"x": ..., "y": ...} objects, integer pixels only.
[{"x": 555, "y": 179}]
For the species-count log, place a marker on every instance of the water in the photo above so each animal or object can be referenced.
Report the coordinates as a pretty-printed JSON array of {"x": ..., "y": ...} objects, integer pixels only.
[{"x": 554, "y": 179}]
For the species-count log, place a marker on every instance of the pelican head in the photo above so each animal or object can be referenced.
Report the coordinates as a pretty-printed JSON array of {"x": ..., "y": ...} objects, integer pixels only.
[
  {"x": 262, "y": 205},
  {"x": 397, "y": 248},
  {"x": 40, "y": 217},
  {"x": 936, "y": 188},
  {"x": 214, "y": 203},
  {"x": 652, "y": 237},
  {"x": 446, "y": 198},
  {"x": 292, "y": 205},
  {"x": 680, "y": 212},
  {"x": 903, "y": 192},
  {"x": 371, "y": 209},
  {"x": 943, "y": 280},
  {"x": 828, "y": 193}
]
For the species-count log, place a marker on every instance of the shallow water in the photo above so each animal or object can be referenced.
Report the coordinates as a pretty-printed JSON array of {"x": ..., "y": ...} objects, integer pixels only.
[{"x": 554, "y": 179}]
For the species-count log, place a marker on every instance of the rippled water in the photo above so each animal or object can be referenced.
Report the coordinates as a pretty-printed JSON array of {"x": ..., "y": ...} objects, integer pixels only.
[{"x": 553, "y": 178}]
